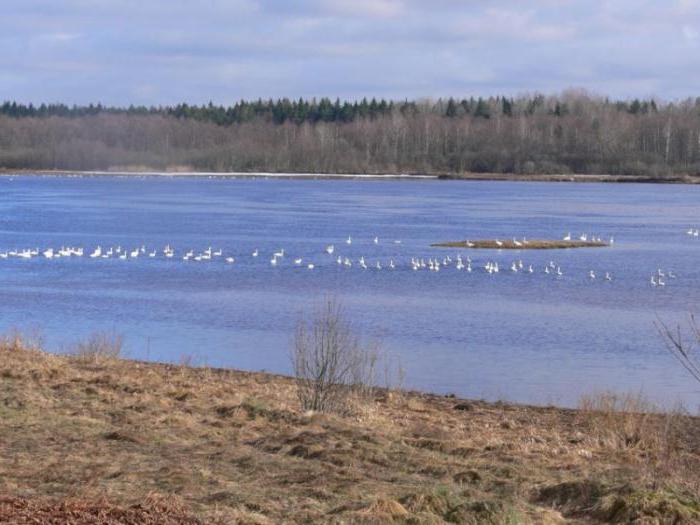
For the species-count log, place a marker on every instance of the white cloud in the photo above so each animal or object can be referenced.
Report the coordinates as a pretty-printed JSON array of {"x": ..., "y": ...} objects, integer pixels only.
[
  {"x": 691, "y": 34},
  {"x": 360, "y": 8}
]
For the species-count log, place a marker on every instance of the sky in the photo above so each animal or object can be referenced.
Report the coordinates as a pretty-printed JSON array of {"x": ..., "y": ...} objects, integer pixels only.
[{"x": 154, "y": 52}]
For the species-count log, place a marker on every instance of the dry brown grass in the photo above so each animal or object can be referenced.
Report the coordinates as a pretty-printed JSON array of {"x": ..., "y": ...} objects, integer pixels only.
[{"x": 235, "y": 447}]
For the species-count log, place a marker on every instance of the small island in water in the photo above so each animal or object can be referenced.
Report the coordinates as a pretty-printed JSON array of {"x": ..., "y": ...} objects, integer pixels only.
[{"x": 524, "y": 244}]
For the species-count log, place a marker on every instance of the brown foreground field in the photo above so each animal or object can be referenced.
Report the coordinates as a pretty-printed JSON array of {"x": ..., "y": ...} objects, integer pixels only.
[{"x": 102, "y": 440}]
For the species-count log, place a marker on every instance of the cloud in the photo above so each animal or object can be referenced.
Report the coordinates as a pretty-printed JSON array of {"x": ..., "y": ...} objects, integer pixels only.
[
  {"x": 691, "y": 34},
  {"x": 166, "y": 51}
]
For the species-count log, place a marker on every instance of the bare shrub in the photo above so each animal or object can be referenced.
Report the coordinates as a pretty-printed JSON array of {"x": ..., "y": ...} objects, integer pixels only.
[
  {"x": 331, "y": 364},
  {"x": 99, "y": 346},
  {"x": 683, "y": 346}
]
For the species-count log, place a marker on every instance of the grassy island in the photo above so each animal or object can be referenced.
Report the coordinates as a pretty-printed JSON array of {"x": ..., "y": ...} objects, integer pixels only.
[
  {"x": 97, "y": 439},
  {"x": 533, "y": 244}
]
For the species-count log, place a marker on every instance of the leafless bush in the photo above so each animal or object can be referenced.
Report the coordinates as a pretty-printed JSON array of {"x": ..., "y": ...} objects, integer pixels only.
[
  {"x": 99, "y": 346},
  {"x": 331, "y": 364},
  {"x": 683, "y": 346}
]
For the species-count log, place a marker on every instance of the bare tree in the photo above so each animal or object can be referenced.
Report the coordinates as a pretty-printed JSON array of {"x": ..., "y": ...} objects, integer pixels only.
[
  {"x": 331, "y": 365},
  {"x": 684, "y": 347}
]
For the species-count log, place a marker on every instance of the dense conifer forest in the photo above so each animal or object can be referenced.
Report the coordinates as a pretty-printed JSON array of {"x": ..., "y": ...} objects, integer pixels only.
[{"x": 573, "y": 132}]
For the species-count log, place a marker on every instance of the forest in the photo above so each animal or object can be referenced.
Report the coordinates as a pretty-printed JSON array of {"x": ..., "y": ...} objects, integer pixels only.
[{"x": 574, "y": 132}]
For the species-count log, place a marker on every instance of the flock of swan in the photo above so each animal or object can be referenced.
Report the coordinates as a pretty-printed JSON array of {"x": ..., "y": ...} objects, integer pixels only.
[{"x": 279, "y": 257}]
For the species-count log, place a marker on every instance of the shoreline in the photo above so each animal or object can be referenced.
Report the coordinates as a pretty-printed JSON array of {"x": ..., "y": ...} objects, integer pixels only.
[
  {"x": 214, "y": 174},
  {"x": 496, "y": 177}
]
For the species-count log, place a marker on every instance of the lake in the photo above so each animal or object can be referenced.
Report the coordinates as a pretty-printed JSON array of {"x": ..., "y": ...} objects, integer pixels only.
[{"x": 517, "y": 336}]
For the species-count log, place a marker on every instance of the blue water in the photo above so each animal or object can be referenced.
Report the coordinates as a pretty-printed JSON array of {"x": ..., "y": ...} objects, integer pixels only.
[{"x": 520, "y": 337}]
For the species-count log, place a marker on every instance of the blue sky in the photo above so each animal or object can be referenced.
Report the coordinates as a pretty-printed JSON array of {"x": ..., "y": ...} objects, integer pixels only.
[{"x": 166, "y": 51}]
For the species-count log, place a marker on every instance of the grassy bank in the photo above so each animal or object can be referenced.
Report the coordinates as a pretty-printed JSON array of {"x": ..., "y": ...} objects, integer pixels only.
[{"x": 95, "y": 436}]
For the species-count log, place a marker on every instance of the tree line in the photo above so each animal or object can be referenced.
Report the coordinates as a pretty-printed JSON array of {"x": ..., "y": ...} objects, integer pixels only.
[{"x": 572, "y": 132}]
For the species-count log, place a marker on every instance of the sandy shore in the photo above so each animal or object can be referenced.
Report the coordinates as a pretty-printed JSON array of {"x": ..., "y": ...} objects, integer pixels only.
[{"x": 602, "y": 178}]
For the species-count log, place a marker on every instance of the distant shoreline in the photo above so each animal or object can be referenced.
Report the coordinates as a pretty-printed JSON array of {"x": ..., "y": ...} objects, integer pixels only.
[
  {"x": 214, "y": 174},
  {"x": 512, "y": 177}
]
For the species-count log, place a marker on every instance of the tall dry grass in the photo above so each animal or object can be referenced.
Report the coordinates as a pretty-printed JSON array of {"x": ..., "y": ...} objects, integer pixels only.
[
  {"x": 663, "y": 442},
  {"x": 98, "y": 347}
]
